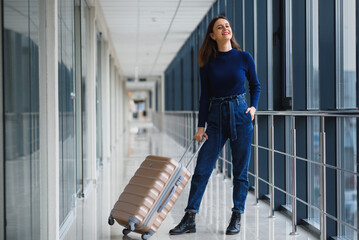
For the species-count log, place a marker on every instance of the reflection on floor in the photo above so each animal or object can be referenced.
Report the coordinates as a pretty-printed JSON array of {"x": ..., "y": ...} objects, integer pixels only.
[{"x": 215, "y": 209}]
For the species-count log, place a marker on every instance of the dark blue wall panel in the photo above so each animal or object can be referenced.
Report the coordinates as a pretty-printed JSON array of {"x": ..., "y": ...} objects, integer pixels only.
[
  {"x": 327, "y": 54},
  {"x": 357, "y": 57},
  {"x": 249, "y": 29},
  {"x": 238, "y": 21},
  {"x": 172, "y": 96},
  {"x": 263, "y": 155},
  {"x": 278, "y": 54},
  {"x": 302, "y": 182},
  {"x": 229, "y": 12},
  {"x": 222, "y": 7},
  {"x": 262, "y": 53},
  {"x": 279, "y": 162},
  {"x": 215, "y": 9},
  {"x": 177, "y": 85},
  {"x": 331, "y": 175}
]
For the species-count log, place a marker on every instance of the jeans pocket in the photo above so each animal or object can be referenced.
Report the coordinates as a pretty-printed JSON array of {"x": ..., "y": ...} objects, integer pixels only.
[{"x": 249, "y": 116}]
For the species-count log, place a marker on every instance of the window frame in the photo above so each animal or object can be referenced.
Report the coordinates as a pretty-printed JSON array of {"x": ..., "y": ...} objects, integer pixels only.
[
  {"x": 311, "y": 50},
  {"x": 78, "y": 102},
  {"x": 270, "y": 53},
  {"x": 340, "y": 190},
  {"x": 2, "y": 173},
  {"x": 310, "y": 169},
  {"x": 339, "y": 41},
  {"x": 288, "y": 88}
]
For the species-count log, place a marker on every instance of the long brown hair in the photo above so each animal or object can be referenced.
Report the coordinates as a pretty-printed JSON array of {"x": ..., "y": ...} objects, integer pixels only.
[{"x": 209, "y": 46}]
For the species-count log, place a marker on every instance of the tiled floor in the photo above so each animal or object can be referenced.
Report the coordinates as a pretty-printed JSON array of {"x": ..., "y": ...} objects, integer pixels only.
[{"x": 215, "y": 209}]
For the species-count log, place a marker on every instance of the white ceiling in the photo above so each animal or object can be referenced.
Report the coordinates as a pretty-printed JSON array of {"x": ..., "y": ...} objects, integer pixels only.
[{"x": 147, "y": 34}]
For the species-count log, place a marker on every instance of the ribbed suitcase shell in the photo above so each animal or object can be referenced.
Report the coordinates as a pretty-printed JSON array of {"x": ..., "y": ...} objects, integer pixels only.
[{"x": 146, "y": 192}]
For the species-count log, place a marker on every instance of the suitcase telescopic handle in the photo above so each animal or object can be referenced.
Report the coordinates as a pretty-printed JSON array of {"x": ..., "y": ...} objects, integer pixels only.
[
  {"x": 189, "y": 146},
  {"x": 179, "y": 180}
]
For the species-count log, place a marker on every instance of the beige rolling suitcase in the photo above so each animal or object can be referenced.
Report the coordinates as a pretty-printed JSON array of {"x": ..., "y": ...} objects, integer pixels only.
[{"x": 151, "y": 194}]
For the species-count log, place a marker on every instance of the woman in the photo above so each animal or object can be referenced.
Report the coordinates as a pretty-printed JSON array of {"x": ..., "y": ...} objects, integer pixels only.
[{"x": 224, "y": 68}]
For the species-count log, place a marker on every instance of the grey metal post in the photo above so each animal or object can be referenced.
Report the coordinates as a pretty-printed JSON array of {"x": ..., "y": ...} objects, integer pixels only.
[
  {"x": 188, "y": 126},
  {"x": 191, "y": 131},
  {"x": 256, "y": 185},
  {"x": 271, "y": 144},
  {"x": 323, "y": 200},
  {"x": 294, "y": 179},
  {"x": 224, "y": 162},
  {"x": 193, "y": 125}
]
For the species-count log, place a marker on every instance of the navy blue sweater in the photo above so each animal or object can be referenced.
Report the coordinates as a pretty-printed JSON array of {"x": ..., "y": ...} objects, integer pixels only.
[{"x": 225, "y": 76}]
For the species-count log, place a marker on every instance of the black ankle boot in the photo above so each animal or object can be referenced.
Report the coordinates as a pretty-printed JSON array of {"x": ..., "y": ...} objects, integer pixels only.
[
  {"x": 187, "y": 225},
  {"x": 235, "y": 224}
]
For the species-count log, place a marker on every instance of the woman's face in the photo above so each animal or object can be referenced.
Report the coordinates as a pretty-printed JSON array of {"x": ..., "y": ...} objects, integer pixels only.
[{"x": 221, "y": 30}]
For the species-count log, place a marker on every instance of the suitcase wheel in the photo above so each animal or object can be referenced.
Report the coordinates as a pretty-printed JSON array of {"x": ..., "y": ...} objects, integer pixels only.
[
  {"x": 126, "y": 231},
  {"x": 146, "y": 235},
  {"x": 111, "y": 221}
]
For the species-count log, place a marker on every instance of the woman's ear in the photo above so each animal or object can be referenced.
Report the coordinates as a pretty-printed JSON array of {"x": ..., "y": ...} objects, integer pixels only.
[{"x": 212, "y": 36}]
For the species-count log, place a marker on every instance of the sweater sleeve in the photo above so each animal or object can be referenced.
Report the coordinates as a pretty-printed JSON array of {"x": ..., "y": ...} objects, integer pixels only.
[
  {"x": 204, "y": 99},
  {"x": 254, "y": 85}
]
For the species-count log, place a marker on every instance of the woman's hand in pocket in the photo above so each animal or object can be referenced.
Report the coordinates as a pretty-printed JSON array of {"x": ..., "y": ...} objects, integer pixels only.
[{"x": 251, "y": 110}]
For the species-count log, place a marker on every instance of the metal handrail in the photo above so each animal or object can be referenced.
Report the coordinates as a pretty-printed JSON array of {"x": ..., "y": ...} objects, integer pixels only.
[
  {"x": 191, "y": 116},
  {"x": 308, "y": 160},
  {"x": 311, "y": 113},
  {"x": 348, "y": 113},
  {"x": 305, "y": 203},
  {"x": 180, "y": 112}
]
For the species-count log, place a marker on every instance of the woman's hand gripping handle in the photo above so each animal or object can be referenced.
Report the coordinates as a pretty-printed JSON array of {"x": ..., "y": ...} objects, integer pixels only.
[{"x": 200, "y": 134}]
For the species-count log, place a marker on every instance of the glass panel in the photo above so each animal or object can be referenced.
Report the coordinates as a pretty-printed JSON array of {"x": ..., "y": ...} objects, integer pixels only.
[
  {"x": 21, "y": 118},
  {"x": 288, "y": 149},
  {"x": 313, "y": 170},
  {"x": 347, "y": 182},
  {"x": 312, "y": 54},
  {"x": 84, "y": 58},
  {"x": 98, "y": 103},
  {"x": 111, "y": 100},
  {"x": 78, "y": 102},
  {"x": 346, "y": 54},
  {"x": 346, "y": 98},
  {"x": 66, "y": 107}
]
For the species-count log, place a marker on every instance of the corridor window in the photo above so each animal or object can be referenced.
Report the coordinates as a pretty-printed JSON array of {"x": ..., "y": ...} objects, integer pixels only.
[
  {"x": 313, "y": 170},
  {"x": 21, "y": 118},
  {"x": 67, "y": 129},
  {"x": 346, "y": 127},
  {"x": 312, "y": 54},
  {"x": 346, "y": 54},
  {"x": 347, "y": 182}
]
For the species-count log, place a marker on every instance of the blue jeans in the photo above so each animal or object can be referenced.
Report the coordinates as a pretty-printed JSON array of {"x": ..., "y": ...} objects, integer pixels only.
[{"x": 226, "y": 120}]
